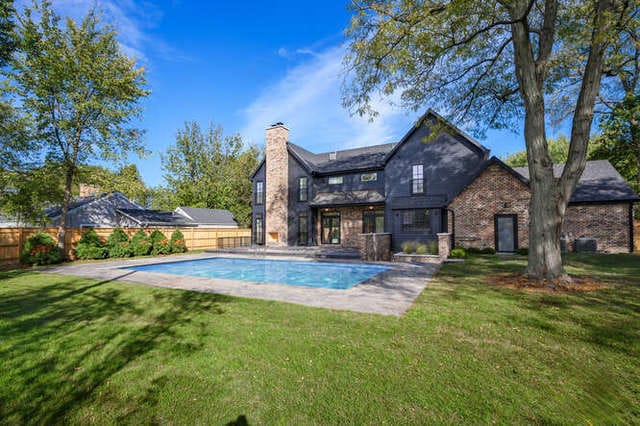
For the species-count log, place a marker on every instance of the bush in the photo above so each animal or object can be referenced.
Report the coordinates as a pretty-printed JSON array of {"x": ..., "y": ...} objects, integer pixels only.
[
  {"x": 422, "y": 249},
  {"x": 140, "y": 244},
  {"x": 524, "y": 251},
  {"x": 118, "y": 244},
  {"x": 177, "y": 242},
  {"x": 473, "y": 250},
  {"x": 159, "y": 243},
  {"x": 40, "y": 249},
  {"x": 90, "y": 246},
  {"x": 432, "y": 247},
  {"x": 458, "y": 253},
  {"x": 488, "y": 250},
  {"x": 408, "y": 247}
]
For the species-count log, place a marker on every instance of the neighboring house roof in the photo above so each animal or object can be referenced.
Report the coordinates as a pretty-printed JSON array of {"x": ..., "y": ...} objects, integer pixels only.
[
  {"x": 600, "y": 182},
  {"x": 203, "y": 216},
  {"x": 348, "y": 198},
  {"x": 54, "y": 212},
  {"x": 154, "y": 217}
]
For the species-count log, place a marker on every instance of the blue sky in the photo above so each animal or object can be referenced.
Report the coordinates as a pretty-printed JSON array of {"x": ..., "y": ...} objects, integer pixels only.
[{"x": 246, "y": 65}]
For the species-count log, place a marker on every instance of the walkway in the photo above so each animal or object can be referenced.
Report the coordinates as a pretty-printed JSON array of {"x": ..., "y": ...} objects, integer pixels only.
[{"x": 390, "y": 293}]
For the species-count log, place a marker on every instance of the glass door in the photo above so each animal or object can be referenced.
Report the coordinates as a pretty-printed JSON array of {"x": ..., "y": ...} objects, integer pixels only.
[{"x": 331, "y": 228}]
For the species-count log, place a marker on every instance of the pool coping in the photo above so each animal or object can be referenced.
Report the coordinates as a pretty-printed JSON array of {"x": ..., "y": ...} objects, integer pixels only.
[{"x": 389, "y": 293}]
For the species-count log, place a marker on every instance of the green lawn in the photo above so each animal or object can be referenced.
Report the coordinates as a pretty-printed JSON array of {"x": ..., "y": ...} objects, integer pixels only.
[{"x": 79, "y": 351}]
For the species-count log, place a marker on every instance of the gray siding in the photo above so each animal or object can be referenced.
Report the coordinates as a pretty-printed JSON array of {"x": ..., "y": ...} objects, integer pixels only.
[
  {"x": 296, "y": 207},
  {"x": 257, "y": 208},
  {"x": 448, "y": 163}
]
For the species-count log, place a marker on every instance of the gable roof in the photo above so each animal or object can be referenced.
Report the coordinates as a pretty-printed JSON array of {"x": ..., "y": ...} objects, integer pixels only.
[
  {"x": 79, "y": 202},
  {"x": 364, "y": 158},
  {"x": 203, "y": 216},
  {"x": 153, "y": 217},
  {"x": 600, "y": 182},
  {"x": 462, "y": 136}
]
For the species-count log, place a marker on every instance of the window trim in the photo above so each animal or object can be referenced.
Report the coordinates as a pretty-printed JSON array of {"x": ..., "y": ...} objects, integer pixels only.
[
  {"x": 306, "y": 189},
  {"x": 374, "y": 176},
  {"x": 375, "y": 213},
  {"x": 338, "y": 177},
  {"x": 258, "y": 237},
  {"x": 410, "y": 227},
  {"x": 259, "y": 197},
  {"x": 415, "y": 179}
]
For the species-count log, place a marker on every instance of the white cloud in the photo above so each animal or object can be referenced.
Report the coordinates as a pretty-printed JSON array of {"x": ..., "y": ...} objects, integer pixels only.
[
  {"x": 308, "y": 100},
  {"x": 133, "y": 20}
]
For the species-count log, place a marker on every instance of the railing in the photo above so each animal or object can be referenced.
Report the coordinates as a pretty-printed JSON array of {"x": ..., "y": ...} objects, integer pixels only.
[{"x": 233, "y": 242}]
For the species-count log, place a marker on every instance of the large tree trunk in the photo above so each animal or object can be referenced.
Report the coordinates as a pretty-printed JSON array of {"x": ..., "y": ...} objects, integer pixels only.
[{"x": 62, "y": 226}]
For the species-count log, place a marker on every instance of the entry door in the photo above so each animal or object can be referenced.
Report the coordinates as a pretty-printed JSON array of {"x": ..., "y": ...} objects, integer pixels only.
[
  {"x": 331, "y": 228},
  {"x": 506, "y": 230}
]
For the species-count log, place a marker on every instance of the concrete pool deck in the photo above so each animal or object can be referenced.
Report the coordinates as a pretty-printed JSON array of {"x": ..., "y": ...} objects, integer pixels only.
[{"x": 389, "y": 293}]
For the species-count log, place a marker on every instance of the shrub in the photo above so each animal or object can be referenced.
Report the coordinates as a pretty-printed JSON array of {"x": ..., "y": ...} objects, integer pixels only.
[
  {"x": 422, "y": 249},
  {"x": 488, "y": 250},
  {"x": 40, "y": 249},
  {"x": 458, "y": 253},
  {"x": 177, "y": 242},
  {"x": 118, "y": 244},
  {"x": 140, "y": 244},
  {"x": 408, "y": 247},
  {"x": 432, "y": 247},
  {"x": 90, "y": 246},
  {"x": 524, "y": 251},
  {"x": 473, "y": 250},
  {"x": 159, "y": 243}
]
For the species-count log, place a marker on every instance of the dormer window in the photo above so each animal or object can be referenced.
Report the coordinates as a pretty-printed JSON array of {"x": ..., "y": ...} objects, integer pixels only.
[
  {"x": 368, "y": 177},
  {"x": 335, "y": 180},
  {"x": 332, "y": 155}
]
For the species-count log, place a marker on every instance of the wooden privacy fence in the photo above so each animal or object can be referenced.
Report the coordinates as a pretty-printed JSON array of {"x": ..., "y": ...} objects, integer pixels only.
[
  {"x": 636, "y": 236},
  {"x": 12, "y": 239}
]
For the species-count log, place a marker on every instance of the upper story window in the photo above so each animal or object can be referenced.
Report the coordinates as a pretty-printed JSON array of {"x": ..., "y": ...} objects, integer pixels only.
[
  {"x": 417, "y": 179},
  {"x": 368, "y": 177},
  {"x": 335, "y": 180},
  {"x": 259, "y": 192},
  {"x": 303, "y": 188}
]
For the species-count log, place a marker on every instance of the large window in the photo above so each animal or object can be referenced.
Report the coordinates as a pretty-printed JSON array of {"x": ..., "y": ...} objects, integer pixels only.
[
  {"x": 259, "y": 192},
  {"x": 417, "y": 179},
  {"x": 330, "y": 228},
  {"x": 303, "y": 189},
  {"x": 368, "y": 177},
  {"x": 258, "y": 230},
  {"x": 416, "y": 220},
  {"x": 303, "y": 229},
  {"x": 335, "y": 180},
  {"x": 372, "y": 221}
]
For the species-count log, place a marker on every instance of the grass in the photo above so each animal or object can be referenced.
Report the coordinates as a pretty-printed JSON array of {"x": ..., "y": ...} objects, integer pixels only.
[{"x": 77, "y": 351}]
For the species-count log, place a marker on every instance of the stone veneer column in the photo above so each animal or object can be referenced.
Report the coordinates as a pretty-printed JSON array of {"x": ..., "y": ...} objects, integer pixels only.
[{"x": 276, "y": 186}]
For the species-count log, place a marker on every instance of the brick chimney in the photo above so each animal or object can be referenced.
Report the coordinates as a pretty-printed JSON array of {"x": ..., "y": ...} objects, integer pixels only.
[
  {"x": 87, "y": 189},
  {"x": 277, "y": 186}
]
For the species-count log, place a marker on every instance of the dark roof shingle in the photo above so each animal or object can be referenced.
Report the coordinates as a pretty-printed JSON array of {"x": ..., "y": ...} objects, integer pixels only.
[
  {"x": 204, "y": 216},
  {"x": 600, "y": 182},
  {"x": 368, "y": 157}
]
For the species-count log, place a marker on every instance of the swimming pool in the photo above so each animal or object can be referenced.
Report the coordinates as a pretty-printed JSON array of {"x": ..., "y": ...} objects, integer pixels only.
[{"x": 338, "y": 276}]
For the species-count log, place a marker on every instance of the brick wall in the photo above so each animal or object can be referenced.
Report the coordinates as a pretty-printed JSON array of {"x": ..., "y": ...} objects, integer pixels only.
[
  {"x": 607, "y": 223},
  {"x": 497, "y": 191},
  {"x": 276, "y": 186},
  {"x": 350, "y": 225}
]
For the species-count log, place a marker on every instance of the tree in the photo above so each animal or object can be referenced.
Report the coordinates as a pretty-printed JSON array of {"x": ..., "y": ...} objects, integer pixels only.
[
  {"x": 126, "y": 179},
  {"x": 210, "y": 170},
  {"x": 78, "y": 91},
  {"x": 7, "y": 41},
  {"x": 558, "y": 152},
  {"x": 496, "y": 63}
]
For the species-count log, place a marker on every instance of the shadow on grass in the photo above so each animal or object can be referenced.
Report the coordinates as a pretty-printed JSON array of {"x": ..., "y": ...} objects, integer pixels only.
[{"x": 61, "y": 341}]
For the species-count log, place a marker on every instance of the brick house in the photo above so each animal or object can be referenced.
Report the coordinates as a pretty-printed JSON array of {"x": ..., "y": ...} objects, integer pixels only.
[{"x": 436, "y": 179}]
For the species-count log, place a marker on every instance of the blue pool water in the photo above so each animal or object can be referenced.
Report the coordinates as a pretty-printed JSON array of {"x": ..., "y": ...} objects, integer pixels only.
[{"x": 299, "y": 273}]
